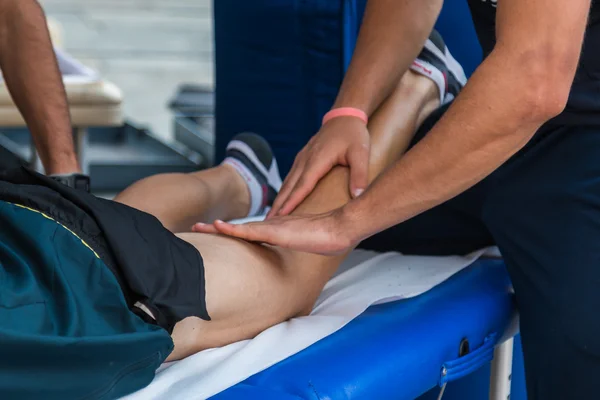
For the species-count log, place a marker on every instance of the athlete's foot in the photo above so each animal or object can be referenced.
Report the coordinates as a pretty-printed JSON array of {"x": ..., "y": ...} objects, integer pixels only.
[
  {"x": 238, "y": 195},
  {"x": 436, "y": 63},
  {"x": 252, "y": 159}
]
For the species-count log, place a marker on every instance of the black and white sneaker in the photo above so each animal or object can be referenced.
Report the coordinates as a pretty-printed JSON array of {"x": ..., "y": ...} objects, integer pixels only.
[
  {"x": 436, "y": 63},
  {"x": 253, "y": 159}
]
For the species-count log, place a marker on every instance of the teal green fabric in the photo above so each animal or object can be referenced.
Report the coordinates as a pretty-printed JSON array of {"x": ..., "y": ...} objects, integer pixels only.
[{"x": 65, "y": 329}]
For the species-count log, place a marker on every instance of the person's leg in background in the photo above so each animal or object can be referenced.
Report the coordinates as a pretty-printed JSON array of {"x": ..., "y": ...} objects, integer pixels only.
[
  {"x": 544, "y": 213},
  {"x": 251, "y": 287}
]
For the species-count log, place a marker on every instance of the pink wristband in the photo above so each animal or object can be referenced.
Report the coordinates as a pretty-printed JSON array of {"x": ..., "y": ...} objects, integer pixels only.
[{"x": 345, "y": 112}]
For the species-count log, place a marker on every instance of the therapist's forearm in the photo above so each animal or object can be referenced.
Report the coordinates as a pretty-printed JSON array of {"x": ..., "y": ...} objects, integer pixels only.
[
  {"x": 392, "y": 35},
  {"x": 496, "y": 114},
  {"x": 32, "y": 76}
]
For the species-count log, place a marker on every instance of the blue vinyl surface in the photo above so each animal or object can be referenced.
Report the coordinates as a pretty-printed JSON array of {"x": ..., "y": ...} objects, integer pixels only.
[{"x": 394, "y": 350}]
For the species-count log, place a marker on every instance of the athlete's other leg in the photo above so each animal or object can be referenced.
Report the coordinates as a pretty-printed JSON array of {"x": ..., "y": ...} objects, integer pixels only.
[{"x": 180, "y": 200}]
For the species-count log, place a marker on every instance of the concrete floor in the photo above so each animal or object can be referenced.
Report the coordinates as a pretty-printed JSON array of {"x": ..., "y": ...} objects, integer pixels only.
[{"x": 146, "y": 47}]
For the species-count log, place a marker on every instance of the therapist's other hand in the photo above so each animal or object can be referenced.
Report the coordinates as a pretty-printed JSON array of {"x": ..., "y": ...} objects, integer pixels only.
[
  {"x": 341, "y": 141},
  {"x": 321, "y": 234}
]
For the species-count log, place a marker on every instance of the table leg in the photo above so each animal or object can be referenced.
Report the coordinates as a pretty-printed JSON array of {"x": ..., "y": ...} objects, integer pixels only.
[
  {"x": 501, "y": 374},
  {"x": 80, "y": 145}
]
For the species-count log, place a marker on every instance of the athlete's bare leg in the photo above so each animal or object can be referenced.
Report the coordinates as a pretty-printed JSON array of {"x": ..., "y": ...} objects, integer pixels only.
[{"x": 250, "y": 287}]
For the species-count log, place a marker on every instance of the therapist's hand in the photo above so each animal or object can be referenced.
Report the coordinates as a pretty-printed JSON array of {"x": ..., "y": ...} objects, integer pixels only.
[
  {"x": 325, "y": 234},
  {"x": 341, "y": 141}
]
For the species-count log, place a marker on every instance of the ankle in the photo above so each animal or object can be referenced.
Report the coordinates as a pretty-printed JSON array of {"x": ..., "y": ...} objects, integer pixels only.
[
  {"x": 238, "y": 199},
  {"x": 419, "y": 86}
]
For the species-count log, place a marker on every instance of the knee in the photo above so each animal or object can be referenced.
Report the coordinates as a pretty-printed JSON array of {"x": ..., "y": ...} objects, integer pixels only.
[
  {"x": 306, "y": 307},
  {"x": 305, "y": 295},
  {"x": 294, "y": 299},
  {"x": 303, "y": 279}
]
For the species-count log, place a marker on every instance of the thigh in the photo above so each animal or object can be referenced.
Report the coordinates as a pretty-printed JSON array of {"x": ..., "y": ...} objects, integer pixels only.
[
  {"x": 544, "y": 214},
  {"x": 454, "y": 227}
]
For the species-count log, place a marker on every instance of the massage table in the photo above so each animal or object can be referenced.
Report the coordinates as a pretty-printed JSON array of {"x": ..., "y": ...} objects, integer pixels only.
[
  {"x": 386, "y": 326},
  {"x": 93, "y": 102},
  {"x": 401, "y": 350}
]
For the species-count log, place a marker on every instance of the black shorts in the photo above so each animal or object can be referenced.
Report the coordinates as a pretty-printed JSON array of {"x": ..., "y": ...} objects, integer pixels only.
[{"x": 154, "y": 268}]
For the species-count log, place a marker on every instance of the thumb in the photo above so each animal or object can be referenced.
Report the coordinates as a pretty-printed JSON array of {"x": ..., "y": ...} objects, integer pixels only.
[
  {"x": 199, "y": 227},
  {"x": 358, "y": 160},
  {"x": 251, "y": 232}
]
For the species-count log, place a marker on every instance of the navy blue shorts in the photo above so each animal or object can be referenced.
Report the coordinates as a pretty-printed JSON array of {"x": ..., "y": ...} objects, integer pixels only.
[{"x": 542, "y": 209}]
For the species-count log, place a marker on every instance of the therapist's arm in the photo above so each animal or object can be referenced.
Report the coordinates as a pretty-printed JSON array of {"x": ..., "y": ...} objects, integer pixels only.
[
  {"x": 391, "y": 36},
  {"x": 522, "y": 84},
  {"x": 33, "y": 79}
]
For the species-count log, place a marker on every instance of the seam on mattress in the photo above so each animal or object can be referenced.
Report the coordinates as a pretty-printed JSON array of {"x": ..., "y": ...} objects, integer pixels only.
[
  {"x": 52, "y": 219},
  {"x": 314, "y": 390}
]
